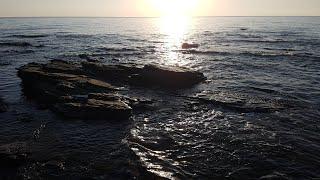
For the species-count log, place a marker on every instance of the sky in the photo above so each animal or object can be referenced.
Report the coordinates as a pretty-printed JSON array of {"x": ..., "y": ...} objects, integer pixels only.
[{"x": 151, "y": 8}]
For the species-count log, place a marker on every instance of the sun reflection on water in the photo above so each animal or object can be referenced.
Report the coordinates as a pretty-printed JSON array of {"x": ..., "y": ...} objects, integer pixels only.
[{"x": 176, "y": 31}]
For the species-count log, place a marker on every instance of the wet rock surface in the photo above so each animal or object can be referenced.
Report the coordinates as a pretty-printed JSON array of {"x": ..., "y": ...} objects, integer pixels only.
[{"x": 84, "y": 90}]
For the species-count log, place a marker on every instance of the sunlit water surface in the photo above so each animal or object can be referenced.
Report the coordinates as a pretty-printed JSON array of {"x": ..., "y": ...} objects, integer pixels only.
[{"x": 276, "y": 57}]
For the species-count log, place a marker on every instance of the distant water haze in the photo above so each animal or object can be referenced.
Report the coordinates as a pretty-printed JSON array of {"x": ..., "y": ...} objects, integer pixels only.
[{"x": 148, "y": 8}]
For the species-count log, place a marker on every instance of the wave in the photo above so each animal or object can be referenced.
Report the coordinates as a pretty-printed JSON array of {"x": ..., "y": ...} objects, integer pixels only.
[
  {"x": 27, "y": 51},
  {"x": 261, "y": 40},
  {"x": 5, "y": 63},
  {"x": 251, "y": 53},
  {"x": 136, "y": 40},
  {"x": 20, "y": 44},
  {"x": 280, "y": 54},
  {"x": 265, "y": 90},
  {"x": 74, "y": 36},
  {"x": 16, "y": 44},
  {"x": 29, "y": 36},
  {"x": 248, "y": 102},
  {"x": 278, "y": 49},
  {"x": 193, "y": 51},
  {"x": 118, "y": 49}
]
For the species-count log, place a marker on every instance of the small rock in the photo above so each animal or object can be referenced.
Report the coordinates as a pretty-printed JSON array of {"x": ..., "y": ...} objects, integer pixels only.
[{"x": 189, "y": 46}]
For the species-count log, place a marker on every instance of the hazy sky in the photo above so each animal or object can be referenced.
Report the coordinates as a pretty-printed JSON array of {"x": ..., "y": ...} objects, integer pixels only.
[{"x": 148, "y": 7}]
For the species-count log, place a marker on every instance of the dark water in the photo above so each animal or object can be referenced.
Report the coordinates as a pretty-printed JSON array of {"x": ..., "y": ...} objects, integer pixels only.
[{"x": 263, "y": 60}]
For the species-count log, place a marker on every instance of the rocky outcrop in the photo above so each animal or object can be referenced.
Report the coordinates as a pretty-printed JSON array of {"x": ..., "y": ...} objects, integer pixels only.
[
  {"x": 169, "y": 77},
  {"x": 64, "y": 87},
  {"x": 84, "y": 91},
  {"x": 147, "y": 75},
  {"x": 14, "y": 154}
]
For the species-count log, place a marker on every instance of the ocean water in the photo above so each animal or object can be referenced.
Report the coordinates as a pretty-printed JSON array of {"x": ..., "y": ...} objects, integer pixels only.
[{"x": 262, "y": 60}]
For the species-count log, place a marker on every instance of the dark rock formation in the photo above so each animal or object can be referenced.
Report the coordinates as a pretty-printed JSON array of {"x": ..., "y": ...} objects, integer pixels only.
[
  {"x": 14, "y": 154},
  {"x": 148, "y": 75},
  {"x": 3, "y": 106},
  {"x": 81, "y": 90},
  {"x": 64, "y": 86},
  {"x": 170, "y": 77},
  {"x": 189, "y": 46},
  {"x": 51, "y": 81}
]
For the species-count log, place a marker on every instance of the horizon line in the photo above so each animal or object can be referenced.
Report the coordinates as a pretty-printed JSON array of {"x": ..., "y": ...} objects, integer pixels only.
[{"x": 148, "y": 16}]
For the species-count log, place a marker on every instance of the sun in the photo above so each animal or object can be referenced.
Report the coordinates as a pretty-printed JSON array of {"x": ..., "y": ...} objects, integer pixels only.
[{"x": 174, "y": 8}]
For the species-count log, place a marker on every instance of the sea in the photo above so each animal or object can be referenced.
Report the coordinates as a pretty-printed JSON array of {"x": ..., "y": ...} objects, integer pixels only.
[{"x": 264, "y": 61}]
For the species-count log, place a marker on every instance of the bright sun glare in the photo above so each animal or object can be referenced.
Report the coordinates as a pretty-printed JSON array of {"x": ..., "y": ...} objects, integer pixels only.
[
  {"x": 174, "y": 8},
  {"x": 174, "y": 23}
]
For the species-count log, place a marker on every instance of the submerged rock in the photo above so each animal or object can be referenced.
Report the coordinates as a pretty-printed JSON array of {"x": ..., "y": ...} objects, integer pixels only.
[
  {"x": 14, "y": 154},
  {"x": 240, "y": 102},
  {"x": 189, "y": 46}
]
